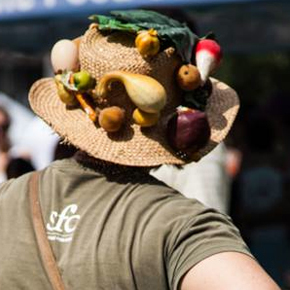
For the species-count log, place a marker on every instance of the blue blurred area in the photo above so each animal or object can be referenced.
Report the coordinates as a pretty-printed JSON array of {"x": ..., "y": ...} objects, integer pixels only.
[
  {"x": 12, "y": 10},
  {"x": 241, "y": 26}
]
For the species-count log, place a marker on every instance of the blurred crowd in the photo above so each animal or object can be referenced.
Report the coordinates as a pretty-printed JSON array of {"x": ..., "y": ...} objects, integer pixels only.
[
  {"x": 260, "y": 191},
  {"x": 26, "y": 142}
]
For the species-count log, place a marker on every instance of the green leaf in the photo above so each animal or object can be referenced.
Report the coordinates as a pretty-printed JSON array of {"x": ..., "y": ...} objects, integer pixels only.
[
  {"x": 109, "y": 23},
  {"x": 209, "y": 35},
  {"x": 170, "y": 31},
  {"x": 144, "y": 16},
  {"x": 182, "y": 39},
  {"x": 197, "y": 99}
]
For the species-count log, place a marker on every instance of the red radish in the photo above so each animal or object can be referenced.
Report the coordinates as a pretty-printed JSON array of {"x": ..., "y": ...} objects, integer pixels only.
[{"x": 208, "y": 56}]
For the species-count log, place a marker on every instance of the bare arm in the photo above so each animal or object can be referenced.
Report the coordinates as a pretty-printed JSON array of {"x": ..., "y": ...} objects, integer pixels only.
[{"x": 227, "y": 271}]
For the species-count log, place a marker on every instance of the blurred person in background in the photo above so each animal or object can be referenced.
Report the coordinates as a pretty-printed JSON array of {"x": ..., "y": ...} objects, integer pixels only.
[
  {"x": 4, "y": 143},
  {"x": 30, "y": 138},
  {"x": 17, "y": 167},
  {"x": 207, "y": 180},
  {"x": 10, "y": 167},
  {"x": 261, "y": 208},
  {"x": 20, "y": 117},
  {"x": 39, "y": 141}
]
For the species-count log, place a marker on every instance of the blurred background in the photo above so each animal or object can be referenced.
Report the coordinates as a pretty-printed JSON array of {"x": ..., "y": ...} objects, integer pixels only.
[{"x": 255, "y": 37}]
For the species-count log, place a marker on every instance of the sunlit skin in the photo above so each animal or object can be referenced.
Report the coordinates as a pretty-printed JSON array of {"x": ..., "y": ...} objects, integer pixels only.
[{"x": 228, "y": 271}]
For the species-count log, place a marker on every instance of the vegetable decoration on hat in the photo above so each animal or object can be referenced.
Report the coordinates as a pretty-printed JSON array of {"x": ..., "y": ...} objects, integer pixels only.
[
  {"x": 188, "y": 129},
  {"x": 208, "y": 56}
]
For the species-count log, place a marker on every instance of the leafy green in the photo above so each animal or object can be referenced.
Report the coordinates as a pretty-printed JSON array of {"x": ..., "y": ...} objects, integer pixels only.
[
  {"x": 170, "y": 31},
  {"x": 197, "y": 99},
  {"x": 144, "y": 16},
  {"x": 182, "y": 38},
  {"x": 209, "y": 35},
  {"x": 110, "y": 23}
]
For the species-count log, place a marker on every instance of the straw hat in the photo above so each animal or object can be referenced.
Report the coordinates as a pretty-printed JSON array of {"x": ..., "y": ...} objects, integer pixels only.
[{"x": 132, "y": 145}]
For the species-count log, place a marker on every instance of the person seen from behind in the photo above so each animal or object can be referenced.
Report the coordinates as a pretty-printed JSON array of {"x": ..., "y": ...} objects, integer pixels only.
[{"x": 129, "y": 95}]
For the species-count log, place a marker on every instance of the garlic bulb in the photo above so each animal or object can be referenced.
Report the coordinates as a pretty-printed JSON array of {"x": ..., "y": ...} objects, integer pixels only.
[{"x": 65, "y": 56}]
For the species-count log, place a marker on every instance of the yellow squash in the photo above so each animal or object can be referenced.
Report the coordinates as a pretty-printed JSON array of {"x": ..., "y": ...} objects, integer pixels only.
[
  {"x": 145, "y": 92},
  {"x": 144, "y": 119}
]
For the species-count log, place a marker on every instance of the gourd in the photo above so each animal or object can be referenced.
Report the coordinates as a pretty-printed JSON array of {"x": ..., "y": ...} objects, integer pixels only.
[
  {"x": 144, "y": 119},
  {"x": 145, "y": 92}
]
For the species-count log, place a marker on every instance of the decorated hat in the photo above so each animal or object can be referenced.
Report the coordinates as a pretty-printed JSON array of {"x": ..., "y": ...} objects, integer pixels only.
[{"x": 136, "y": 89}]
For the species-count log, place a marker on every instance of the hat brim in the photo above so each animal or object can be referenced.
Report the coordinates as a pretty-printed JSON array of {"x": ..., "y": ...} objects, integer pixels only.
[{"x": 134, "y": 146}]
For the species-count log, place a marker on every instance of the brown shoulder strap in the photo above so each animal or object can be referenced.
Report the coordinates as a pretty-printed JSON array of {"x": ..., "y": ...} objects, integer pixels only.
[{"x": 41, "y": 237}]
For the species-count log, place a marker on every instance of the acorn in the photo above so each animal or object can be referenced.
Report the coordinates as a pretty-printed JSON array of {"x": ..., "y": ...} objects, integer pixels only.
[
  {"x": 144, "y": 119},
  {"x": 147, "y": 43},
  {"x": 111, "y": 119},
  {"x": 188, "y": 77},
  {"x": 188, "y": 130}
]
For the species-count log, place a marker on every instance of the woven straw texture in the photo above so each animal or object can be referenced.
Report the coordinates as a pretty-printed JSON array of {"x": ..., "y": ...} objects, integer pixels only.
[{"x": 132, "y": 145}]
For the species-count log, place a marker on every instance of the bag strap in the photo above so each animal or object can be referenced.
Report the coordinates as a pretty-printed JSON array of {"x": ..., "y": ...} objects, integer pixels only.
[{"x": 46, "y": 252}]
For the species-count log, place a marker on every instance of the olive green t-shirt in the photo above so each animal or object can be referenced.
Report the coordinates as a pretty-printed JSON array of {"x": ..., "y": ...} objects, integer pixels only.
[{"x": 107, "y": 233}]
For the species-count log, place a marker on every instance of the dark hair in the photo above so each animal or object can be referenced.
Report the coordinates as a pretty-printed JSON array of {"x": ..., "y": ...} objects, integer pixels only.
[
  {"x": 63, "y": 151},
  {"x": 17, "y": 167}
]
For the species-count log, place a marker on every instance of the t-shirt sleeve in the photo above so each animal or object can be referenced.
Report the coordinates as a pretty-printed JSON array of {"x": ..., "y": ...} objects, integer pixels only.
[{"x": 196, "y": 237}]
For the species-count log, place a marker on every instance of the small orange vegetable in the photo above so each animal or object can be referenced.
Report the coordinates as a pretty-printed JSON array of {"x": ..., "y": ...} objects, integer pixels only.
[
  {"x": 87, "y": 107},
  {"x": 111, "y": 119}
]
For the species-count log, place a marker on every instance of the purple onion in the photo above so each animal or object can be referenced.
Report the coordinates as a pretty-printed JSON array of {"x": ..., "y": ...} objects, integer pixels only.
[{"x": 188, "y": 130}]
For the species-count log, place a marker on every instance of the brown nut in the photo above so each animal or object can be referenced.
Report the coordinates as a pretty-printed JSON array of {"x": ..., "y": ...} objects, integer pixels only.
[
  {"x": 111, "y": 119},
  {"x": 188, "y": 77}
]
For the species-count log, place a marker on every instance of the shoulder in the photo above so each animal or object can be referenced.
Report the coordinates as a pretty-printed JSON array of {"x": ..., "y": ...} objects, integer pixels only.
[
  {"x": 16, "y": 188},
  {"x": 190, "y": 231},
  {"x": 14, "y": 185},
  {"x": 182, "y": 219},
  {"x": 14, "y": 195}
]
